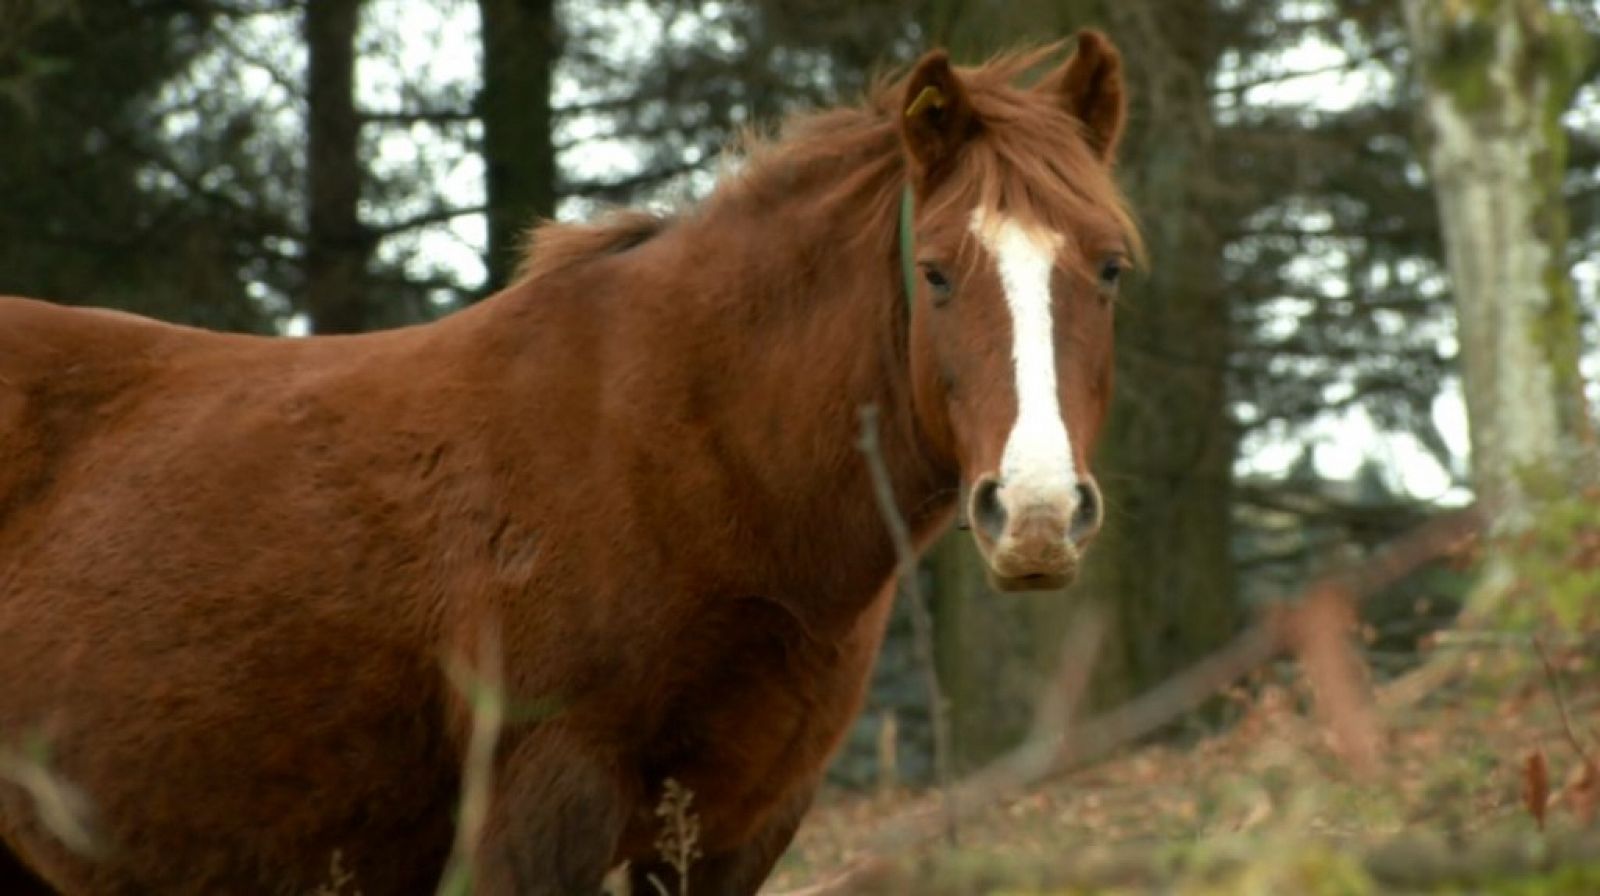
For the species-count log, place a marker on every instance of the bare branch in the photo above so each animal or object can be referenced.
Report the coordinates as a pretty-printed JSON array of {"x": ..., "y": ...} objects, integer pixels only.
[
  {"x": 624, "y": 187},
  {"x": 1561, "y": 703},
  {"x": 1381, "y": 52},
  {"x": 921, "y": 620},
  {"x": 415, "y": 116},
  {"x": 424, "y": 219}
]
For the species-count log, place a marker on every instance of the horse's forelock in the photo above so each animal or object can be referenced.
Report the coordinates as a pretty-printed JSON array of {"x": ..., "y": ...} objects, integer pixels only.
[{"x": 1033, "y": 161}]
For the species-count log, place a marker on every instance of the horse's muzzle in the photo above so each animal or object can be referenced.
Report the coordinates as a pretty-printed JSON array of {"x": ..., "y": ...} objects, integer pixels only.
[{"x": 1033, "y": 542}]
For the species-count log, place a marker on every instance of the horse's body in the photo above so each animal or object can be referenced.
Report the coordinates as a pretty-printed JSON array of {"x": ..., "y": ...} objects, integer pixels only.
[
  {"x": 195, "y": 521},
  {"x": 233, "y": 570}
]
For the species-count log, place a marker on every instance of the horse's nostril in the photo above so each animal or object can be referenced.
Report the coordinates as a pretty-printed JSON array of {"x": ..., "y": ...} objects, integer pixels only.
[
  {"x": 988, "y": 514},
  {"x": 1086, "y": 518}
]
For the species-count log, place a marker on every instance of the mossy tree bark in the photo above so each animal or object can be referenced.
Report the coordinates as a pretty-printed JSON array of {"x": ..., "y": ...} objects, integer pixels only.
[{"x": 1495, "y": 77}]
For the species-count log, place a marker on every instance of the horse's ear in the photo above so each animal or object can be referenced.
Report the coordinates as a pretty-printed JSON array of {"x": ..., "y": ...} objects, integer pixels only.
[
  {"x": 936, "y": 119},
  {"x": 1090, "y": 87}
]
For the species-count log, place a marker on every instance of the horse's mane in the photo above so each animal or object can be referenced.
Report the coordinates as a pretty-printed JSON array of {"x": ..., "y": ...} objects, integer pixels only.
[
  {"x": 553, "y": 246},
  {"x": 1031, "y": 159}
]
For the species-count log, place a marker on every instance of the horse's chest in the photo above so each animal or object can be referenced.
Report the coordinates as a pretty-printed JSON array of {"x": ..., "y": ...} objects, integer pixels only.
[{"x": 751, "y": 732}]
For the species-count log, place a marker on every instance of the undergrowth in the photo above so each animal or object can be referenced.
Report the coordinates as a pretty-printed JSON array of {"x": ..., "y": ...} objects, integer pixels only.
[{"x": 1268, "y": 807}]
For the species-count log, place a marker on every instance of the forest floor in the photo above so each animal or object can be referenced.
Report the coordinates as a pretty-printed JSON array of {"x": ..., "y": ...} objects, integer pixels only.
[{"x": 1269, "y": 807}]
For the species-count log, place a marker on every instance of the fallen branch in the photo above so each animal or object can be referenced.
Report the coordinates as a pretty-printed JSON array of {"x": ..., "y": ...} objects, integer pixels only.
[{"x": 1431, "y": 861}]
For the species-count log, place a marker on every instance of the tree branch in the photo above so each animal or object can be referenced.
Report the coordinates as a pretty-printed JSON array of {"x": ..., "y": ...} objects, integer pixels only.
[
  {"x": 624, "y": 187},
  {"x": 425, "y": 219},
  {"x": 921, "y": 620},
  {"x": 415, "y": 116}
]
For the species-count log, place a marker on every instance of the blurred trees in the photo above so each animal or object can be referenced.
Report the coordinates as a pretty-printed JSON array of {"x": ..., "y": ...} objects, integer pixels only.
[
  {"x": 180, "y": 162},
  {"x": 96, "y": 204}
]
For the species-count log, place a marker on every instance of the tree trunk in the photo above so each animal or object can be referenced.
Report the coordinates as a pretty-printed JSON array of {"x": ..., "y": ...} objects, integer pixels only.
[
  {"x": 520, "y": 48},
  {"x": 1164, "y": 565},
  {"x": 1495, "y": 77},
  {"x": 338, "y": 247}
]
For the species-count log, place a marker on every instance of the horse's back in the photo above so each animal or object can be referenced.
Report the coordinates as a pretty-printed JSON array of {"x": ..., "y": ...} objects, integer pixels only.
[
  {"x": 110, "y": 422},
  {"x": 62, "y": 369},
  {"x": 37, "y": 338},
  {"x": 57, "y": 366}
]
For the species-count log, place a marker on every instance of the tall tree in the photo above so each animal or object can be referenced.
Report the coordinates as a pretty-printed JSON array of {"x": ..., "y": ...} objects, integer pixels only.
[
  {"x": 1164, "y": 568},
  {"x": 98, "y": 207},
  {"x": 1496, "y": 76},
  {"x": 338, "y": 247},
  {"x": 521, "y": 43}
]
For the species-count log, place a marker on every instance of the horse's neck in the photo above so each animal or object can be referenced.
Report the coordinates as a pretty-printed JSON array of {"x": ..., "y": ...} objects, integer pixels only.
[
  {"x": 812, "y": 336},
  {"x": 739, "y": 350}
]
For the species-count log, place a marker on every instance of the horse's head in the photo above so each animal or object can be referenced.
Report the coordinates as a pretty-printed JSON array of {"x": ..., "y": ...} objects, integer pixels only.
[{"x": 1019, "y": 236}]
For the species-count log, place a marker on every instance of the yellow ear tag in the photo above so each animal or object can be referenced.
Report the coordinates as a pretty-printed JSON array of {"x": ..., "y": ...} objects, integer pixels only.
[{"x": 930, "y": 98}]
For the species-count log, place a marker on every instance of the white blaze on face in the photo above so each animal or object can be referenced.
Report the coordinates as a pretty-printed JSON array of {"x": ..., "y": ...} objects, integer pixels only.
[{"x": 1036, "y": 466}]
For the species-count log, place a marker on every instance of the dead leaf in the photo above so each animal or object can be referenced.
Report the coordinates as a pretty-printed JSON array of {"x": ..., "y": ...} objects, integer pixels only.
[
  {"x": 1319, "y": 630},
  {"x": 1535, "y": 785}
]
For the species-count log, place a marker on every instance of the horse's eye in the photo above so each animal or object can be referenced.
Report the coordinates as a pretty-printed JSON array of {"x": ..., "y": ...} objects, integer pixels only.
[
  {"x": 1110, "y": 273},
  {"x": 937, "y": 281}
]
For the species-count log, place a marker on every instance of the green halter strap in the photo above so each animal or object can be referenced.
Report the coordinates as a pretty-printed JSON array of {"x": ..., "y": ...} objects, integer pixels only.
[{"x": 908, "y": 249}]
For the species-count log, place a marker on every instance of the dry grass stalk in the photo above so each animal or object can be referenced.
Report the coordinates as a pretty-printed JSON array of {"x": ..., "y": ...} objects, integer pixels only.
[
  {"x": 485, "y": 693},
  {"x": 888, "y": 754},
  {"x": 339, "y": 877},
  {"x": 62, "y": 808},
  {"x": 678, "y": 844}
]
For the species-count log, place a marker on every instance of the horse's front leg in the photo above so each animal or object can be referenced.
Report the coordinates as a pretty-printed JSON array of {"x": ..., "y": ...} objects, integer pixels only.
[
  {"x": 734, "y": 872},
  {"x": 553, "y": 826}
]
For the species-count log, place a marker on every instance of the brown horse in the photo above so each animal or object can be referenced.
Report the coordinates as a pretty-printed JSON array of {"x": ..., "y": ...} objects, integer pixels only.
[{"x": 233, "y": 570}]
